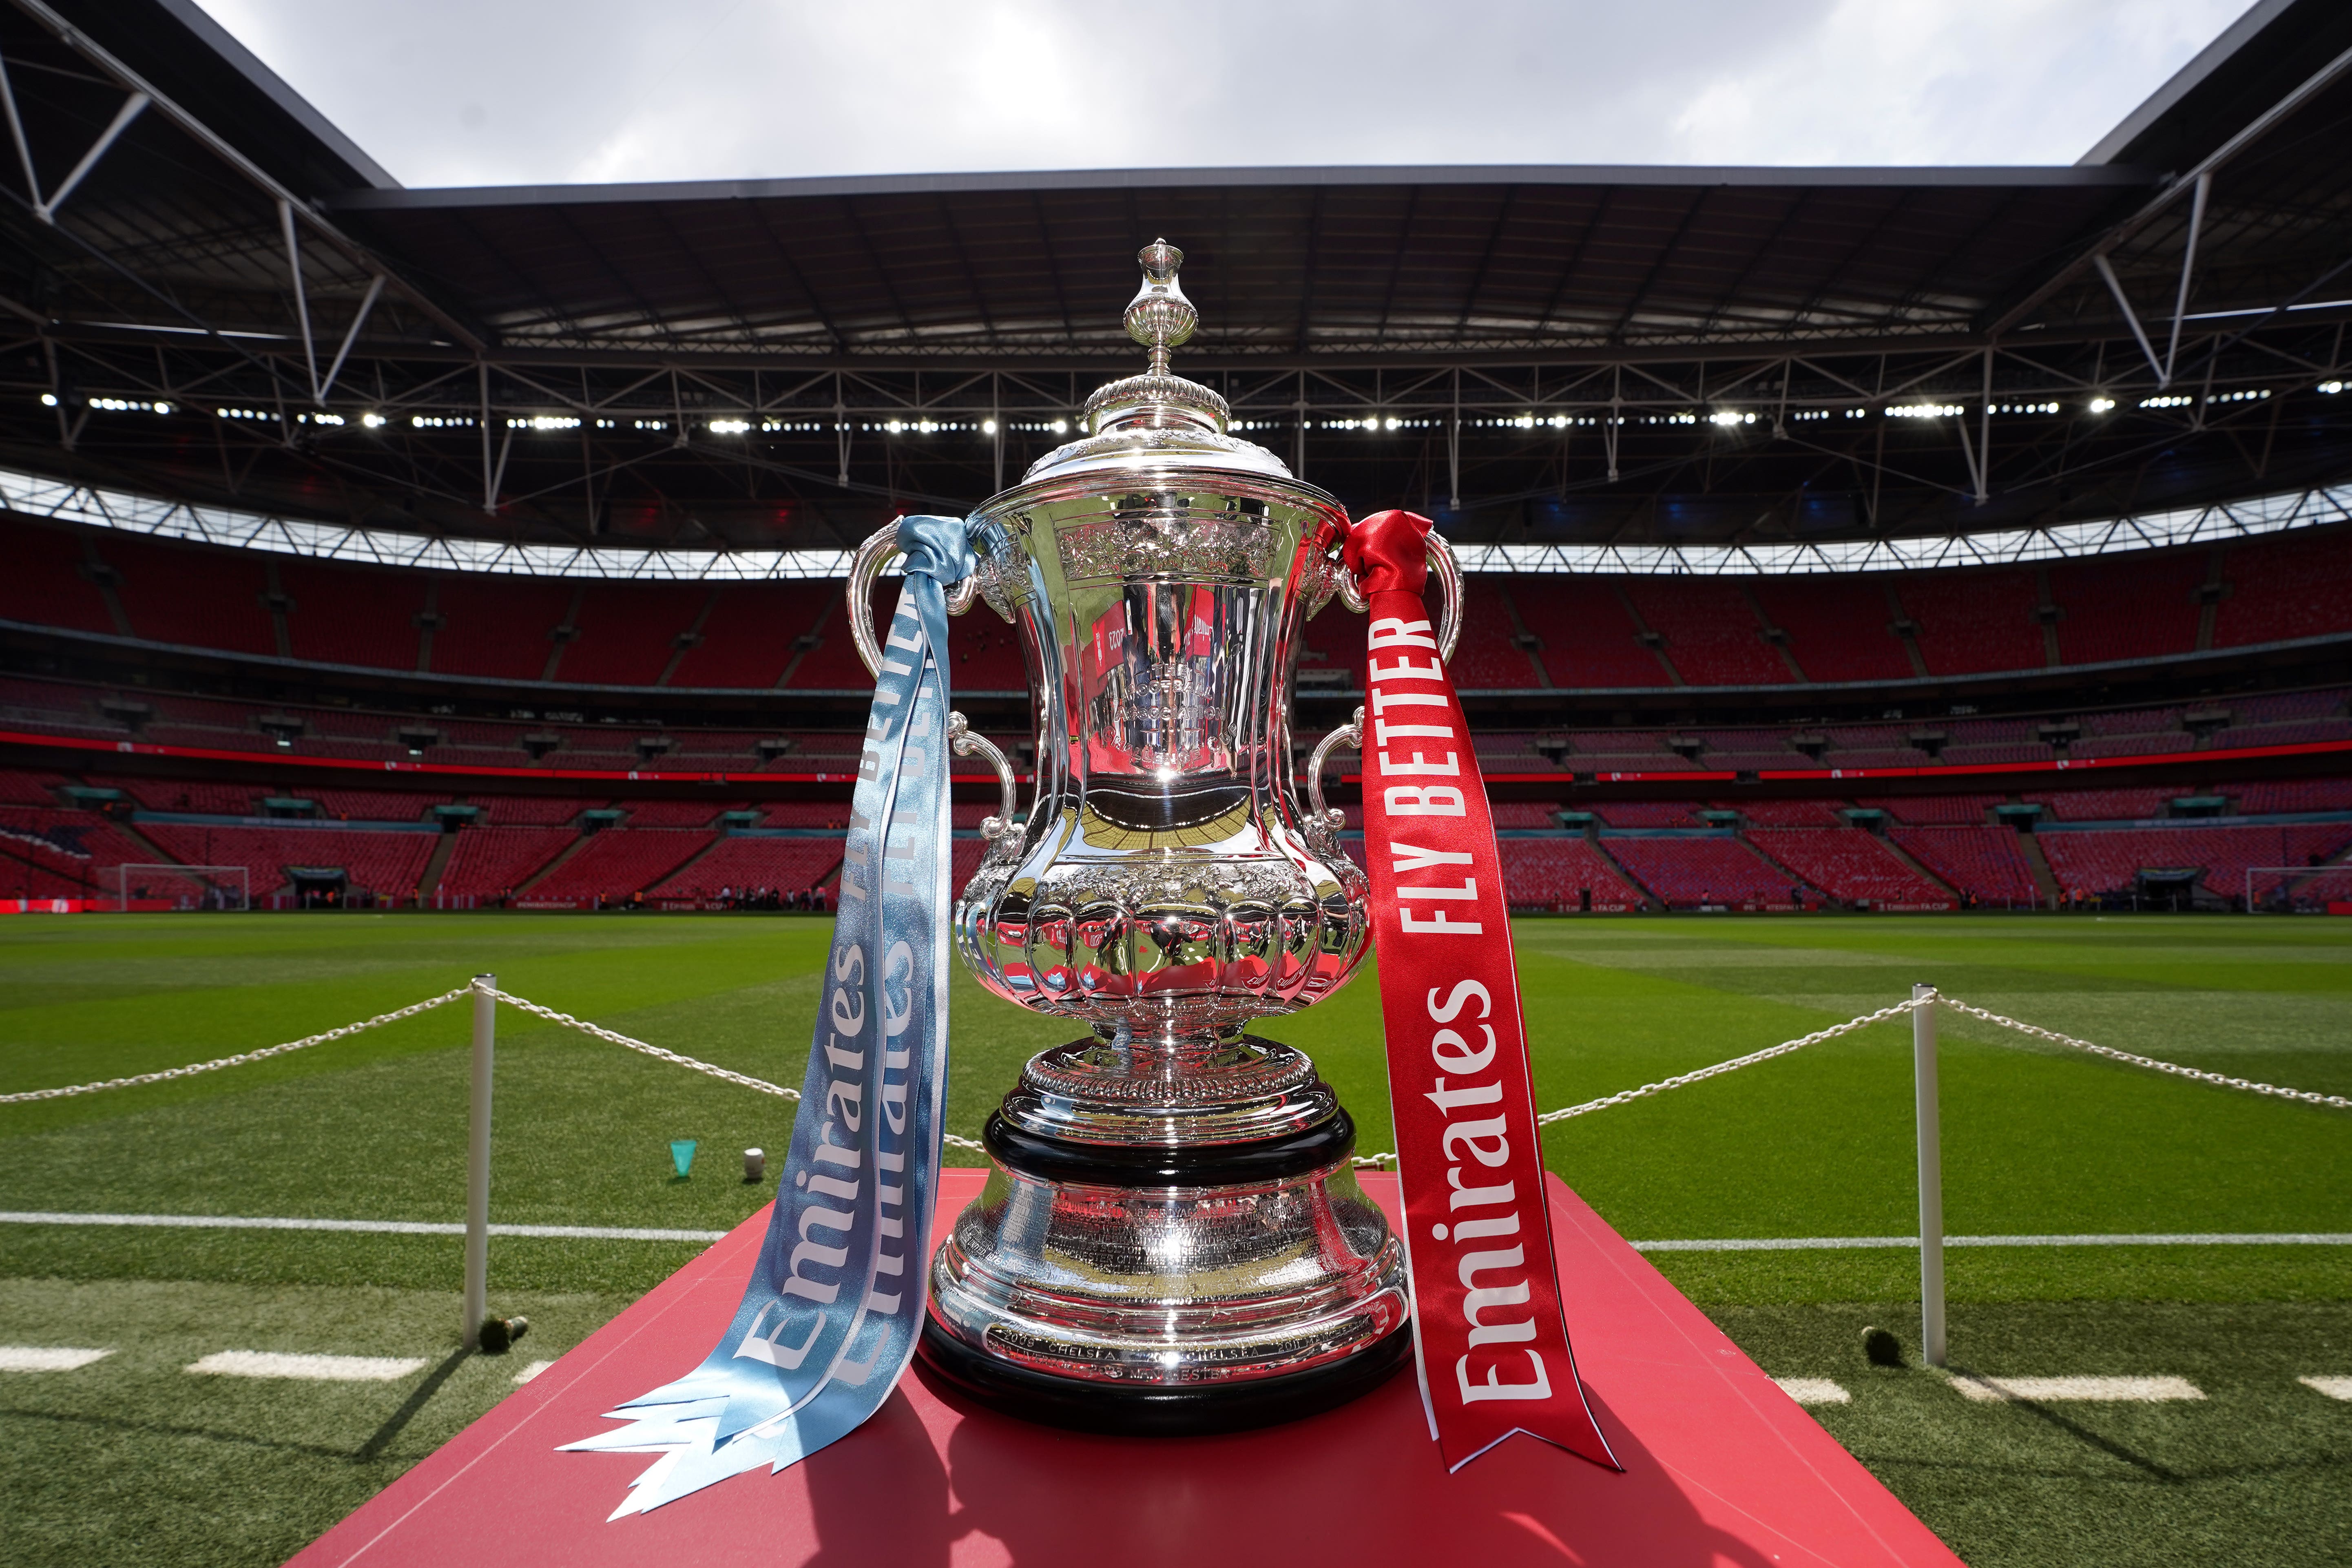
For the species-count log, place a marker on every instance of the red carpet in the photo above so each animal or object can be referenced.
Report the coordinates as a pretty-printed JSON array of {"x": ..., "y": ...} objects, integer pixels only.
[{"x": 1722, "y": 1467}]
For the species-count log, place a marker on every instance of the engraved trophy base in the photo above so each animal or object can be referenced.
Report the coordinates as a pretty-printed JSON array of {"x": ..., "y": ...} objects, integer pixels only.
[{"x": 1195, "y": 1282}]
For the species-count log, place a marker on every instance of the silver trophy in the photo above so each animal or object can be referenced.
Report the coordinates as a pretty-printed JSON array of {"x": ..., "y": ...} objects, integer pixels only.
[{"x": 1172, "y": 1237}]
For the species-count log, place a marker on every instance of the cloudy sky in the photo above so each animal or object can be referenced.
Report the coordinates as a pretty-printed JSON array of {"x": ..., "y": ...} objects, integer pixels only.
[{"x": 450, "y": 92}]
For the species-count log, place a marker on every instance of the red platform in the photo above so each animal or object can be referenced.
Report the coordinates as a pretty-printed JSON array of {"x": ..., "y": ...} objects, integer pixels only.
[{"x": 1721, "y": 1466}]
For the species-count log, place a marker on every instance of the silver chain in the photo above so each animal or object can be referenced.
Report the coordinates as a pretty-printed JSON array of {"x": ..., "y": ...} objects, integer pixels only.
[
  {"x": 2340, "y": 1101},
  {"x": 1765, "y": 1054},
  {"x": 1624, "y": 1097},
  {"x": 1930, "y": 1000},
  {"x": 724, "y": 1074},
  {"x": 241, "y": 1058}
]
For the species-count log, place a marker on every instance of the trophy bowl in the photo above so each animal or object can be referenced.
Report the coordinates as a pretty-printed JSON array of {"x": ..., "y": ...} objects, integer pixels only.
[{"x": 1172, "y": 1237}]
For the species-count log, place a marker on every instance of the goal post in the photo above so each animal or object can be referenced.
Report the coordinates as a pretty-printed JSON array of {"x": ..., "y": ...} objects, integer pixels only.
[
  {"x": 2299, "y": 886},
  {"x": 211, "y": 887}
]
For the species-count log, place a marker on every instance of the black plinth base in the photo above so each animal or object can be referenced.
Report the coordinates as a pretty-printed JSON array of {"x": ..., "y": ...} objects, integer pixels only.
[{"x": 1144, "y": 1410}]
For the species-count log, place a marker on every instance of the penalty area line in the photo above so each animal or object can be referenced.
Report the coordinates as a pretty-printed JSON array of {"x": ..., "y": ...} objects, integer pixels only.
[{"x": 366, "y": 1226}]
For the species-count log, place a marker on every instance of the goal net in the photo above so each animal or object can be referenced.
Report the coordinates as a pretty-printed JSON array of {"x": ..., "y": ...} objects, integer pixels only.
[
  {"x": 2298, "y": 890},
  {"x": 184, "y": 887}
]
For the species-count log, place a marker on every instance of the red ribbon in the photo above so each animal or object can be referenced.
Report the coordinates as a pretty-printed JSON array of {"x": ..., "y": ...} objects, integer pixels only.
[{"x": 1489, "y": 1340}]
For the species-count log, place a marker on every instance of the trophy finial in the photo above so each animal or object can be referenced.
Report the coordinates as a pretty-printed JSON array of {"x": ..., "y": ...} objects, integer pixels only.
[{"x": 1160, "y": 317}]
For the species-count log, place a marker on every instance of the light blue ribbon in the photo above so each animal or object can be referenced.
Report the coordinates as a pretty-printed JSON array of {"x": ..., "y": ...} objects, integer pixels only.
[{"x": 830, "y": 1316}]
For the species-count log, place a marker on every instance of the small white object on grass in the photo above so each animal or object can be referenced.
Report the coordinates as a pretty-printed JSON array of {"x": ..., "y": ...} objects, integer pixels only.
[
  {"x": 533, "y": 1370},
  {"x": 317, "y": 1368},
  {"x": 55, "y": 1358},
  {"x": 2334, "y": 1387},
  {"x": 755, "y": 1164},
  {"x": 1814, "y": 1390},
  {"x": 2124, "y": 1390}
]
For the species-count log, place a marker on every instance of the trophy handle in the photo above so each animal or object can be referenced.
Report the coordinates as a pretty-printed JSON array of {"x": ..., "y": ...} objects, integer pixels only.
[
  {"x": 865, "y": 566},
  {"x": 1351, "y": 733},
  {"x": 1447, "y": 571},
  {"x": 963, "y": 742}
]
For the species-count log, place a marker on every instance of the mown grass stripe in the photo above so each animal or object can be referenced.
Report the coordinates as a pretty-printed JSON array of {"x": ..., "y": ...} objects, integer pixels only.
[
  {"x": 2154, "y": 1238},
  {"x": 372, "y": 1227}
]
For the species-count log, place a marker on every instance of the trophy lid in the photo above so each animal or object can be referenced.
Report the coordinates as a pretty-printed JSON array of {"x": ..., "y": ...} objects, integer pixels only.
[{"x": 1157, "y": 419}]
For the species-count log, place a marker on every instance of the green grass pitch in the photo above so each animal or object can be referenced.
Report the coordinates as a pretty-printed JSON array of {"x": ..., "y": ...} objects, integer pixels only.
[{"x": 131, "y": 1459}]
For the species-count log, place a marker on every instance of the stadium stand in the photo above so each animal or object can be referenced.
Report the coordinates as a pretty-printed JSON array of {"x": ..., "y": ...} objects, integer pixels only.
[
  {"x": 369, "y": 805},
  {"x": 1785, "y": 812},
  {"x": 748, "y": 635},
  {"x": 2295, "y": 795},
  {"x": 1524, "y": 814},
  {"x": 626, "y": 634},
  {"x": 963, "y": 859},
  {"x": 1686, "y": 873},
  {"x": 1977, "y": 859},
  {"x": 191, "y": 595},
  {"x": 532, "y": 811},
  {"x": 2279, "y": 589},
  {"x": 179, "y": 794},
  {"x": 620, "y": 862},
  {"x": 28, "y": 789},
  {"x": 1485, "y": 655},
  {"x": 1712, "y": 635},
  {"x": 1645, "y": 813},
  {"x": 1934, "y": 809},
  {"x": 49, "y": 852},
  {"x": 365, "y": 615},
  {"x": 49, "y": 582},
  {"x": 746, "y": 640},
  {"x": 1837, "y": 626},
  {"x": 985, "y": 654},
  {"x": 1851, "y": 866},
  {"x": 1555, "y": 874},
  {"x": 386, "y": 865},
  {"x": 2133, "y": 606},
  {"x": 486, "y": 862},
  {"x": 740, "y": 863},
  {"x": 1590, "y": 640},
  {"x": 500, "y": 626},
  {"x": 1974, "y": 621},
  {"x": 676, "y": 813},
  {"x": 2101, "y": 862},
  {"x": 827, "y": 660},
  {"x": 2103, "y": 804}
]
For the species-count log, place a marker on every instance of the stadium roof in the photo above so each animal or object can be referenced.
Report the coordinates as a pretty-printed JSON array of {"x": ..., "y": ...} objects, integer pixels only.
[{"x": 1542, "y": 355}]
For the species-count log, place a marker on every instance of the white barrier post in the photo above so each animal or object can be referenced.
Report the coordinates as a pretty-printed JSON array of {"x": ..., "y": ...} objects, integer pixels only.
[
  {"x": 477, "y": 1164},
  {"x": 1931, "y": 1175}
]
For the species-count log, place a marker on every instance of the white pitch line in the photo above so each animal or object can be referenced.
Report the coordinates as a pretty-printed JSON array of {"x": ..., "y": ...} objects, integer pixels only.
[
  {"x": 318, "y": 1368},
  {"x": 369, "y": 1227},
  {"x": 1814, "y": 1390},
  {"x": 46, "y": 1358},
  {"x": 2334, "y": 1387},
  {"x": 533, "y": 1370},
  {"x": 2128, "y": 1390},
  {"x": 1843, "y": 1242}
]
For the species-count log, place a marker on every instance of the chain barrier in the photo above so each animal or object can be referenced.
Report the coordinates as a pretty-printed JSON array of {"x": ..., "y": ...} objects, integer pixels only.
[
  {"x": 724, "y": 1074},
  {"x": 1362, "y": 1161},
  {"x": 242, "y": 1056},
  {"x": 2338, "y": 1100}
]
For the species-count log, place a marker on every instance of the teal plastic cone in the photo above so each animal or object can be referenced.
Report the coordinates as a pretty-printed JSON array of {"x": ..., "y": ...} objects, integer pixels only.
[{"x": 681, "y": 1154}]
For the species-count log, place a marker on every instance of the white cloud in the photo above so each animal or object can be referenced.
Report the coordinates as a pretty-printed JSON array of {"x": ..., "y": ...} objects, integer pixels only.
[{"x": 513, "y": 91}]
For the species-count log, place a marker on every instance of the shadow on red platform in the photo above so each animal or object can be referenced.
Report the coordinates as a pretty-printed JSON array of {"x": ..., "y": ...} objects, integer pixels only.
[{"x": 1722, "y": 1470}]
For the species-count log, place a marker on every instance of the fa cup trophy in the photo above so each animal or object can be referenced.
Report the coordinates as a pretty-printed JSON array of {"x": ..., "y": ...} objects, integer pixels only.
[{"x": 1172, "y": 1237}]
